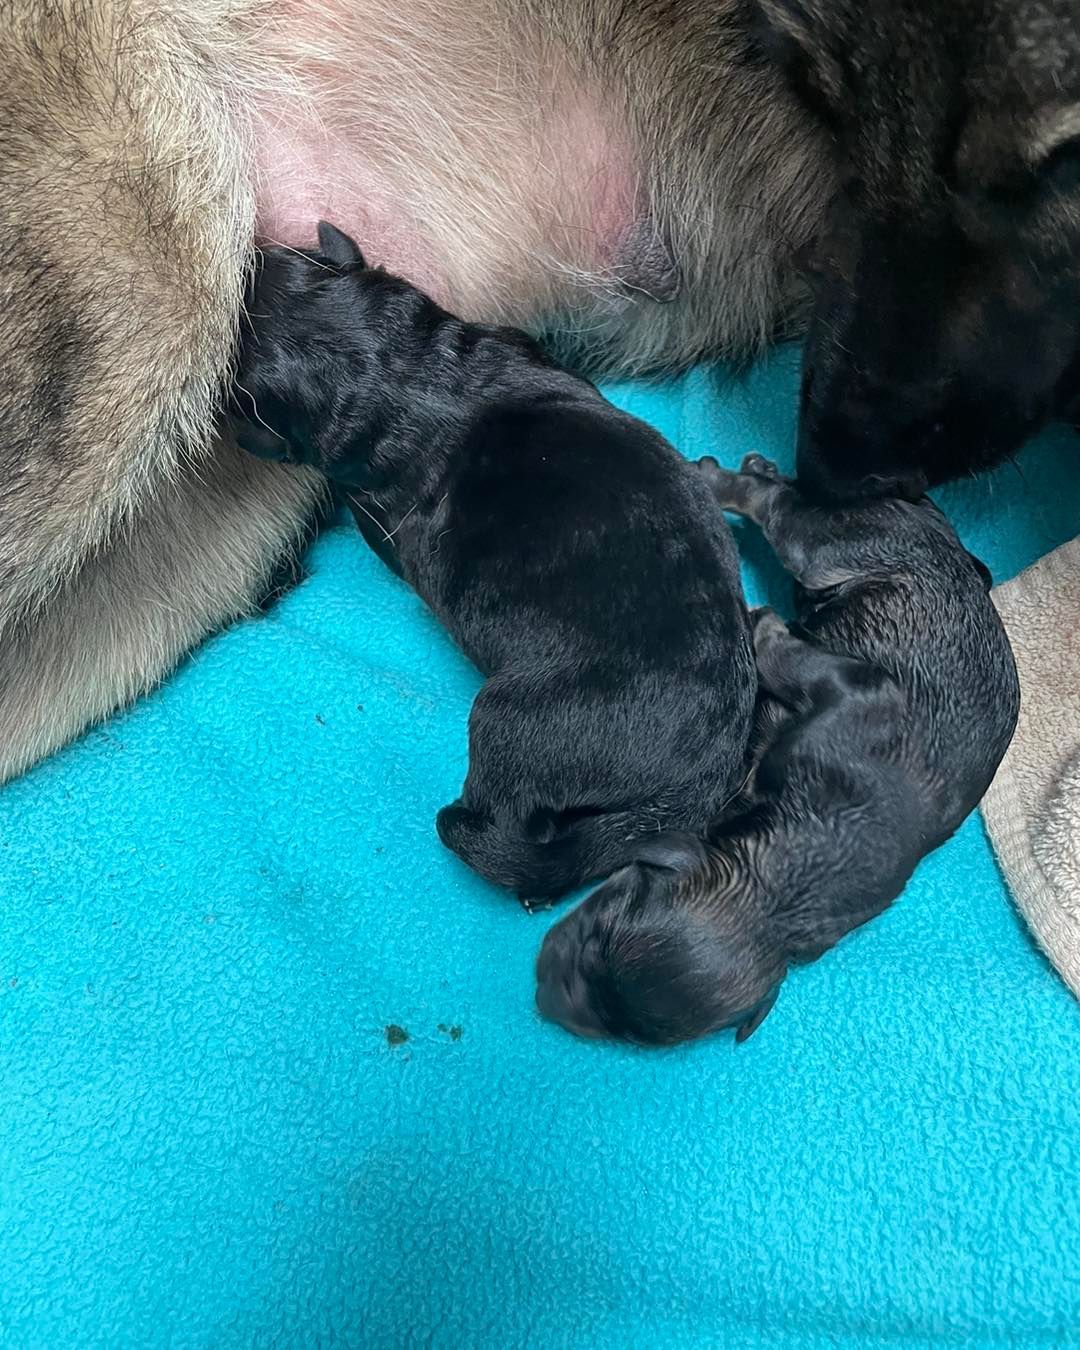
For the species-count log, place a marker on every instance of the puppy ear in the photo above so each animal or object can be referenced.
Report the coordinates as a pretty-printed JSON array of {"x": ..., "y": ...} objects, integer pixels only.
[
  {"x": 672, "y": 852},
  {"x": 763, "y": 1009},
  {"x": 338, "y": 247}
]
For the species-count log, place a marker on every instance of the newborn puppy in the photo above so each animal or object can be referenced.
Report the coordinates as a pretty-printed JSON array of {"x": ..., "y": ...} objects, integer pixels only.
[
  {"x": 578, "y": 560},
  {"x": 885, "y": 712}
]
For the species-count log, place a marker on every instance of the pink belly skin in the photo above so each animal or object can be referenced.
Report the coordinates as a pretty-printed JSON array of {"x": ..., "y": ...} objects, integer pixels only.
[
  {"x": 488, "y": 177},
  {"x": 305, "y": 180}
]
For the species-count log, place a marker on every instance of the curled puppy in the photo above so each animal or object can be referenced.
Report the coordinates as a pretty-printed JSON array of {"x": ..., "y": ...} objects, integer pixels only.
[
  {"x": 578, "y": 560},
  {"x": 885, "y": 712}
]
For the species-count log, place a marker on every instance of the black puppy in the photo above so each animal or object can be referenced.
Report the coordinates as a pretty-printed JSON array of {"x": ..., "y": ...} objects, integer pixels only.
[
  {"x": 580, "y": 562},
  {"x": 885, "y": 713}
]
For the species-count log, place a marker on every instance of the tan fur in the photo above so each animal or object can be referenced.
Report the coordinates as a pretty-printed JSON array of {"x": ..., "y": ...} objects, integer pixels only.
[
  {"x": 737, "y": 176},
  {"x": 130, "y": 134},
  {"x": 124, "y": 224},
  {"x": 187, "y": 562},
  {"x": 455, "y": 117},
  {"x": 471, "y": 111}
]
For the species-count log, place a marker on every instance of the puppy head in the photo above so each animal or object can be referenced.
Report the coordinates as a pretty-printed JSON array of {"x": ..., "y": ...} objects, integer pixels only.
[
  {"x": 672, "y": 947},
  {"x": 291, "y": 399}
]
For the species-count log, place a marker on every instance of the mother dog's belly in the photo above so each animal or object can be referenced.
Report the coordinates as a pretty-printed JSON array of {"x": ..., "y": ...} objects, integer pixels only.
[{"x": 456, "y": 146}]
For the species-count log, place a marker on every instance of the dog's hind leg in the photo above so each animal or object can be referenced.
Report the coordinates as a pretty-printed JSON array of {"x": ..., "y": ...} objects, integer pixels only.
[
  {"x": 195, "y": 556},
  {"x": 803, "y": 676}
]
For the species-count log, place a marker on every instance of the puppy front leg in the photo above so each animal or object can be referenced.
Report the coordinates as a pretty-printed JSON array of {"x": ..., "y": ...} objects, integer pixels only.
[
  {"x": 803, "y": 536},
  {"x": 752, "y": 492}
]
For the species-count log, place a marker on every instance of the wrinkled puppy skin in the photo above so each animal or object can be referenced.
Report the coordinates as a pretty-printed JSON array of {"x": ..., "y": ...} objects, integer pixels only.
[
  {"x": 574, "y": 555},
  {"x": 884, "y": 713}
]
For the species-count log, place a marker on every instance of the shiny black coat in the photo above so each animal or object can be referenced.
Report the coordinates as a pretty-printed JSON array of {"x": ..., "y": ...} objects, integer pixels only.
[{"x": 578, "y": 560}]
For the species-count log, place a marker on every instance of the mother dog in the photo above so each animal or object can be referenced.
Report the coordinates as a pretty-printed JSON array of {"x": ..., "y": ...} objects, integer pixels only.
[{"x": 646, "y": 181}]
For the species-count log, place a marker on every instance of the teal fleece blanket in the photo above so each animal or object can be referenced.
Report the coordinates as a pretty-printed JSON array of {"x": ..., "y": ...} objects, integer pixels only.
[{"x": 272, "y": 1076}]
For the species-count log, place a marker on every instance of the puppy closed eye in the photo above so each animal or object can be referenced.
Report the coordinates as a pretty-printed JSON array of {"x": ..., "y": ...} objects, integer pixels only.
[{"x": 259, "y": 440}]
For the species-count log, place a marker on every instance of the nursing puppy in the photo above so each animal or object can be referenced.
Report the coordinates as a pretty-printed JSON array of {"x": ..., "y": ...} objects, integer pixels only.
[
  {"x": 885, "y": 712},
  {"x": 578, "y": 560}
]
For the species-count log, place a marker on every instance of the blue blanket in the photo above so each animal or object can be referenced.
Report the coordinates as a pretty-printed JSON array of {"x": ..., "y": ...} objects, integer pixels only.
[{"x": 272, "y": 1077}]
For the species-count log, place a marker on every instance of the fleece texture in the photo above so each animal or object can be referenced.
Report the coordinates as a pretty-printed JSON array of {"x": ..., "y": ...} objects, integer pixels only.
[
  {"x": 1033, "y": 809},
  {"x": 272, "y": 1076}
]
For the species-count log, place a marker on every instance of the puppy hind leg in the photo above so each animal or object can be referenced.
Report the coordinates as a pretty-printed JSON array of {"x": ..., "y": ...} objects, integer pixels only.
[
  {"x": 801, "y": 675},
  {"x": 457, "y": 823}
]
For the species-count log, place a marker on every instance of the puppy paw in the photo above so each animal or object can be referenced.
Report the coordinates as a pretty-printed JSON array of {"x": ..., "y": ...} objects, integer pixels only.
[
  {"x": 760, "y": 467},
  {"x": 532, "y": 904},
  {"x": 766, "y": 625}
]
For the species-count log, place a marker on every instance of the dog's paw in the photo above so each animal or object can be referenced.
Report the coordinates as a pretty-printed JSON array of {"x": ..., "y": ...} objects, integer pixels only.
[
  {"x": 766, "y": 625},
  {"x": 760, "y": 467},
  {"x": 533, "y": 904}
]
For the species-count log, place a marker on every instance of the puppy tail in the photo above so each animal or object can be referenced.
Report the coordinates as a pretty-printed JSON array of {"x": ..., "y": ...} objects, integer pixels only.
[{"x": 549, "y": 853}]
